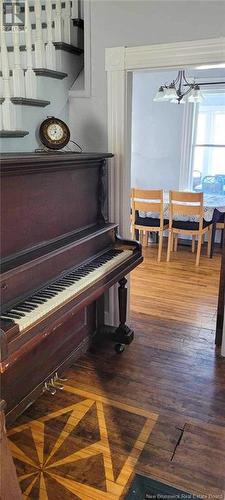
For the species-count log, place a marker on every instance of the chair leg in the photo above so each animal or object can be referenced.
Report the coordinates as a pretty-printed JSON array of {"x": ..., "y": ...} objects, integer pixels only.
[
  {"x": 209, "y": 241},
  {"x": 193, "y": 244},
  {"x": 145, "y": 239},
  {"x": 170, "y": 240},
  {"x": 199, "y": 249},
  {"x": 221, "y": 240},
  {"x": 175, "y": 242},
  {"x": 160, "y": 245}
]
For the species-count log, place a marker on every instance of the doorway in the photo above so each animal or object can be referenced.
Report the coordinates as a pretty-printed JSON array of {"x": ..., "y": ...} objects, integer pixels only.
[{"x": 120, "y": 63}]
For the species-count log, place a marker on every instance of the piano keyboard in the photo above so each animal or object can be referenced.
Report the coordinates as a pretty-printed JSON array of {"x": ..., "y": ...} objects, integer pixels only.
[{"x": 34, "y": 308}]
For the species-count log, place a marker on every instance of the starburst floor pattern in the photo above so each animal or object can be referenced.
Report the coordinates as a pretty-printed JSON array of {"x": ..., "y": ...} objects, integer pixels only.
[{"x": 87, "y": 450}]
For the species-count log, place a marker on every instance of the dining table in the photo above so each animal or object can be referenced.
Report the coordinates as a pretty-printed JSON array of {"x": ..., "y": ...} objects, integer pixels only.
[{"x": 213, "y": 207}]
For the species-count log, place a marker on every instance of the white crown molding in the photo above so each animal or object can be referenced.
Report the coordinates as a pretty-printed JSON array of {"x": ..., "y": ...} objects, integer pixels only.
[{"x": 178, "y": 54}]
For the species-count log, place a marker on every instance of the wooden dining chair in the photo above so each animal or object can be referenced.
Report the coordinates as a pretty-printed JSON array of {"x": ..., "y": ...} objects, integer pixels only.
[
  {"x": 145, "y": 200},
  {"x": 187, "y": 204}
]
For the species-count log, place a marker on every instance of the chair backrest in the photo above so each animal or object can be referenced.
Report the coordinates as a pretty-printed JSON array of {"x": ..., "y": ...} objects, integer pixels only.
[
  {"x": 147, "y": 200},
  {"x": 186, "y": 203}
]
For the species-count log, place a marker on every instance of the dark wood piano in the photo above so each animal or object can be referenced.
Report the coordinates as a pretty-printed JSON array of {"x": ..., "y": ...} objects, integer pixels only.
[{"x": 59, "y": 256}]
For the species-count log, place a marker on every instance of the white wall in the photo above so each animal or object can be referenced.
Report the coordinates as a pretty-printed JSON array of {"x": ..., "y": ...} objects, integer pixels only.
[
  {"x": 157, "y": 129},
  {"x": 156, "y": 134},
  {"x": 129, "y": 23}
]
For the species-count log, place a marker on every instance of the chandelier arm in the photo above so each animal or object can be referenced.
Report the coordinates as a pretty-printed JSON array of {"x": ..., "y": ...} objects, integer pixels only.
[
  {"x": 179, "y": 90},
  {"x": 185, "y": 93},
  {"x": 186, "y": 81},
  {"x": 177, "y": 78}
]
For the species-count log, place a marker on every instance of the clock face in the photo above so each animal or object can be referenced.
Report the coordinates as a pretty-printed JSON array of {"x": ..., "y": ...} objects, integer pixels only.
[{"x": 54, "y": 133}]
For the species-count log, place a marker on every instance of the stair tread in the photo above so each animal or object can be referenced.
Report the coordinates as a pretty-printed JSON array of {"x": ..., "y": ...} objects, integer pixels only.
[
  {"x": 26, "y": 101},
  {"x": 13, "y": 133},
  {"x": 58, "y": 45},
  {"x": 51, "y": 73}
]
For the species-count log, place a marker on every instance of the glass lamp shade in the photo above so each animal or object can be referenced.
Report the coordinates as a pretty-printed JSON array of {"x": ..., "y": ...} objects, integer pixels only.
[
  {"x": 160, "y": 95},
  {"x": 170, "y": 93},
  {"x": 177, "y": 101},
  {"x": 195, "y": 95}
]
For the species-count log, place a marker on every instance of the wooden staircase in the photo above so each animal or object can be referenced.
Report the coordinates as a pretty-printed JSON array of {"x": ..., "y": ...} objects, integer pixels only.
[{"x": 39, "y": 64}]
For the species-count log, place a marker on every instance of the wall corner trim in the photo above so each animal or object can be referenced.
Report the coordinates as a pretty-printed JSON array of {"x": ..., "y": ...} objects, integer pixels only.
[{"x": 115, "y": 59}]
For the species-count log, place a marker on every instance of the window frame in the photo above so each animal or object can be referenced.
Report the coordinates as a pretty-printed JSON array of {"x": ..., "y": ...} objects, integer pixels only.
[{"x": 189, "y": 131}]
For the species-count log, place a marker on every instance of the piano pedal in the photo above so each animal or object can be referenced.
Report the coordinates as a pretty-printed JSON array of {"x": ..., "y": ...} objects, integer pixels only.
[
  {"x": 56, "y": 384},
  {"x": 60, "y": 379},
  {"x": 48, "y": 387}
]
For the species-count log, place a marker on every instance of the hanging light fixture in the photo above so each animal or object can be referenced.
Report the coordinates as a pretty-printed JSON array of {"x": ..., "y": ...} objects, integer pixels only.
[{"x": 179, "y": 91}]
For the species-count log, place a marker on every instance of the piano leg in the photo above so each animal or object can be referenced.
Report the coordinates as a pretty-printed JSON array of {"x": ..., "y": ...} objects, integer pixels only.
[{"x": 123, "y": 334}]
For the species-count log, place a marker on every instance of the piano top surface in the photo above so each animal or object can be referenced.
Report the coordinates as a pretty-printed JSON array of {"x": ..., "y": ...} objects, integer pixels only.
[{"x": 48, "y": 159}]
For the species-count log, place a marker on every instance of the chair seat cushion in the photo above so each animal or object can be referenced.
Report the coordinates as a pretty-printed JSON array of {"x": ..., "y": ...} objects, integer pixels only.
[
  {"x": 189, "y": 225},
  {"x": 149, "y": 221}
]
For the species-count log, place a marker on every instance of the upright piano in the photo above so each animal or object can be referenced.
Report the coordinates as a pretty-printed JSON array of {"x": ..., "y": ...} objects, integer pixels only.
[{"x": 59, "y": 255}]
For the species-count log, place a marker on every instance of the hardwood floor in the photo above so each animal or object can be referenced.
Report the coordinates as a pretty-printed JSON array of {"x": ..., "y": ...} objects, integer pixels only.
[
  {"x": 159, "y": 408},
  {"x": 177, "y": 290}
]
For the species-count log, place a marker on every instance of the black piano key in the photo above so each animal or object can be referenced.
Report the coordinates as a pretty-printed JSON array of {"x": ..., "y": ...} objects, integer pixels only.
[
  {"x": 24, "y": 308},
  {"x": 45, "y": 295},
  {"x": 66, "y": 281},
  {"x": 55, "y": 288},
  {"x": 37, "y": 300},
  {"x": 75, "y": 278},
  {"x": 4, "y": 318},
  {"x": 32, "y": 305},
  {"x": 80, "y": 274},
  {"x": 14, "y": 315},
  {"x": 18, "y": 310}
]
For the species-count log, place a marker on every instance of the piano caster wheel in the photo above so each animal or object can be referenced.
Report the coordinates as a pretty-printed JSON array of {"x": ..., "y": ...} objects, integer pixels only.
[{"x": 119, "y": 348}]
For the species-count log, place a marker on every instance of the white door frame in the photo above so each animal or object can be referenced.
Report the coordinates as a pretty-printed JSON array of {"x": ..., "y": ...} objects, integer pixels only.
[{"x": 120, "y": 62}]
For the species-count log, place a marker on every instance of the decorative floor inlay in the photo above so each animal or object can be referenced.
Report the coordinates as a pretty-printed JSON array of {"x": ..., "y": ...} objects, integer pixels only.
[{"x": 87, "y": 450}]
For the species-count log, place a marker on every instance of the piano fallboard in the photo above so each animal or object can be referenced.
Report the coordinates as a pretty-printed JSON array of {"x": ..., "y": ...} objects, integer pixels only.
[{"x": 22, "y": 274}]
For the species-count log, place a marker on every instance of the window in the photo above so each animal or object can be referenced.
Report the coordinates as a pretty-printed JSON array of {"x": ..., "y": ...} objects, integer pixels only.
[{"x": 208, "y": 148}]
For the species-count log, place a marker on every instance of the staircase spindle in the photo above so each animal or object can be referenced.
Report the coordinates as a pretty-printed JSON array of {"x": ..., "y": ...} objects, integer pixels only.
[
  {"x": 18, "y": 72},
  {"x": 50, "y": 48},
  {"x": 39, "y": 42},
  {"x": 74, "y": 12},
  {"x": 67, "y": 22},
  {"x": 8, "y": 117},
  {"x": 58, "y": 22},
  {"x": 81, "y": 9},
  {"x": 30, "y": 77}
]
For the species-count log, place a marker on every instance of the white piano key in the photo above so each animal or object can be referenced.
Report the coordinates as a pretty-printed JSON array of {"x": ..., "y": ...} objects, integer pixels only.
[{"x": 69, "y": 292}]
